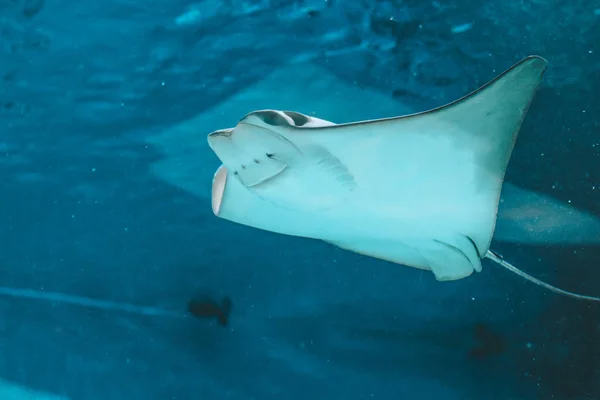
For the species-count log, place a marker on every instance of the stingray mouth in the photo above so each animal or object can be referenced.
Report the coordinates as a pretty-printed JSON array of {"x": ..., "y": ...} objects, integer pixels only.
[{"x": 218, "y": 189}]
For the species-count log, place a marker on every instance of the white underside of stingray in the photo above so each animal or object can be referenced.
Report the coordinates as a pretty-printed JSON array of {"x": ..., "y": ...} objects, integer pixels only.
[{"x": 420, "y": 190}]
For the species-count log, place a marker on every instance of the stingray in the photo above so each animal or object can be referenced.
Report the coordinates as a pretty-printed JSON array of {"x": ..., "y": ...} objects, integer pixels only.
[
  {"x": 524, "y": 216},
  {"x": 420, "y": 190}
]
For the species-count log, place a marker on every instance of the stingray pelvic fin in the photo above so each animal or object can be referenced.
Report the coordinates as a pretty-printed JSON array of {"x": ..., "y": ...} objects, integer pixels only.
[{"x": 497, "y": 258}]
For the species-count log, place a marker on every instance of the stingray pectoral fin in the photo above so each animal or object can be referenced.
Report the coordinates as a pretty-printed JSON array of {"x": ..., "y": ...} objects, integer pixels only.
[
  {"x": 439, "y": 173},
  {"x": 488, "y": 121}
]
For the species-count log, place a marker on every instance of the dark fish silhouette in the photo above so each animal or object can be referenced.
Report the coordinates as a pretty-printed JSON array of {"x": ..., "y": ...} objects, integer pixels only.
[
  {"x": 489, "y": 343},
  {"x": 207, "y": 307}
]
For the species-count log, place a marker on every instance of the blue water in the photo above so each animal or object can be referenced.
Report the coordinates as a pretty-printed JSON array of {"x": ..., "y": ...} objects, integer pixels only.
[{"x": 101, "y": 249}]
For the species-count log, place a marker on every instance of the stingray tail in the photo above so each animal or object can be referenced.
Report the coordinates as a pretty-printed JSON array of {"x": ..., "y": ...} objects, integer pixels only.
[{"x": 497, "y": 258}]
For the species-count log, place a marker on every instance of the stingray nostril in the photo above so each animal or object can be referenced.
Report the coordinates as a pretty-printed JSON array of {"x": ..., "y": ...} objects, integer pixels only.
[
  {"x": 256, "y": 161},
  {"x": 270, "y": 155},
  {"x": 235, "y": 172},
  {"x": 243, "y": 167}
]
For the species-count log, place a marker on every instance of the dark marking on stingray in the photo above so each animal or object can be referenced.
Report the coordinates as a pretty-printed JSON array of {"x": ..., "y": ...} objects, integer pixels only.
[{"x": 473, "y": 243}]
